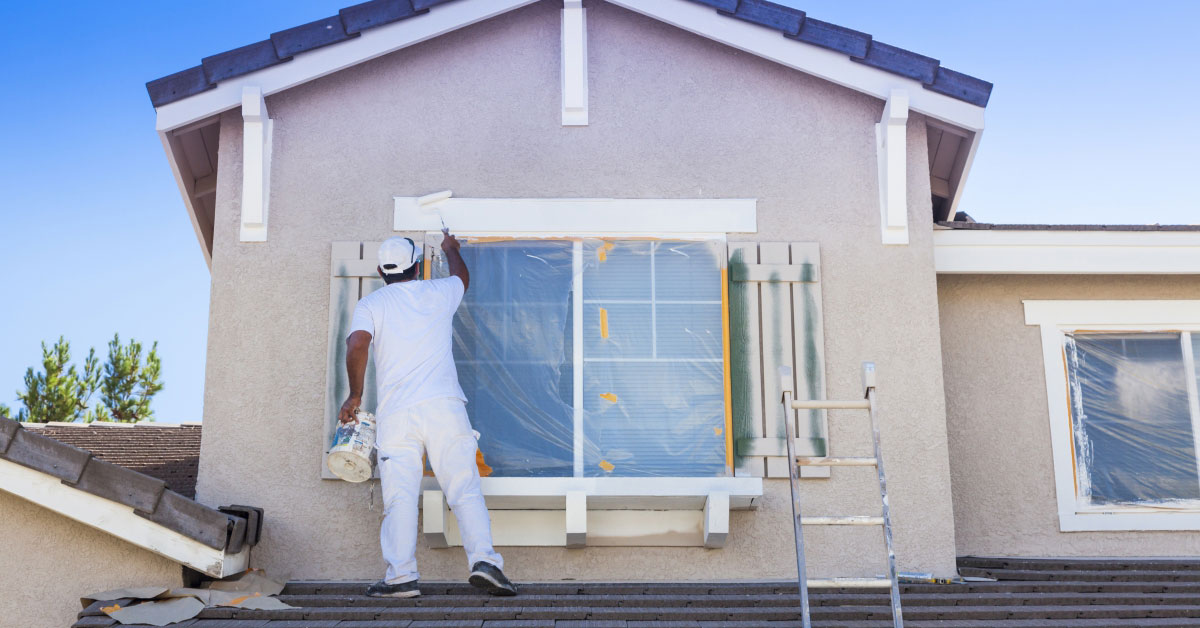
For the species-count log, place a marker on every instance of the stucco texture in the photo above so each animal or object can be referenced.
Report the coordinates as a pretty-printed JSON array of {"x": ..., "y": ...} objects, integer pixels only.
[
  {"x": 1001, "y": 461},
  {"x": 47, "y": 562},
  {"x": 672, "y": 115}
]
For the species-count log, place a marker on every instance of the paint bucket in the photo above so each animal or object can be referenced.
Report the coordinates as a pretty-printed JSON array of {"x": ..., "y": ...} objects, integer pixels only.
[{"x": 350, "y": 456}]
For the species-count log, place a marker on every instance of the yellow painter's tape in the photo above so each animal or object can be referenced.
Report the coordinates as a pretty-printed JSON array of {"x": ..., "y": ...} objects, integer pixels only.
[
  {"x": 608, "y": 397},
  {"x": 606, "y": 465},
  {"x": 603, "y": 323}
]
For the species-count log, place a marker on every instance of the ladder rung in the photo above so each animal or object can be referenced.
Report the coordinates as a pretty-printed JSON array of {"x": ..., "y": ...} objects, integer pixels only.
[
  {"x": 842, "y": 521},
  {"x": 856, "y": 583},
  {"x": 810, "y": 461},
  {"x": 823, "y": 404}
]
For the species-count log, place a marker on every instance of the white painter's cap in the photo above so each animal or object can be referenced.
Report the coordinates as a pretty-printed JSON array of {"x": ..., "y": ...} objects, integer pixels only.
[{"x": 398, "y": 254}]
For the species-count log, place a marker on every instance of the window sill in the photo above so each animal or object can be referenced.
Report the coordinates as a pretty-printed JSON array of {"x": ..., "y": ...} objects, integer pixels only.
[
  {"x": 579, "y": 512},
  {"x": 1136, "y": 519}
]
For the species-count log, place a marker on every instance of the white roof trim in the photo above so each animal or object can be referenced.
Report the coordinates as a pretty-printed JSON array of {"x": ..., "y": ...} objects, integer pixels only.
[
  {"x": 118, "y": 520},
  {"x": 1066, "y": 252}
]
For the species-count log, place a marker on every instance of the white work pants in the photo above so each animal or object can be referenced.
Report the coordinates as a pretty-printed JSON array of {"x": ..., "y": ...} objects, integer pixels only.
[{"x": 441, "y": 427}]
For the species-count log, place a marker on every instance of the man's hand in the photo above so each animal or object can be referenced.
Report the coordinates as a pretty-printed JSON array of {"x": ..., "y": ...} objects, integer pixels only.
[
  {"x": 349, "y": 409},
  {"x": 454, "y": 259},
  {"x": 449, "y": 242}
]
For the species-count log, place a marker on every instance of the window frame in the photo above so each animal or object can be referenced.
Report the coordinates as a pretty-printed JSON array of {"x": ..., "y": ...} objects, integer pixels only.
[
  {"x": 1056, "y": 319},
  {"x": 433, "y": 242}
]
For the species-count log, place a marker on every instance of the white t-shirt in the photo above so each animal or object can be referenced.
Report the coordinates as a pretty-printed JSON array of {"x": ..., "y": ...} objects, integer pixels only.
[{"x": 412, "y": 325}]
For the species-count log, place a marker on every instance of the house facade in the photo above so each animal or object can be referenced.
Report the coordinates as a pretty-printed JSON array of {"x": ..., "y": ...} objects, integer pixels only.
[{"x": 663, "y": 202}]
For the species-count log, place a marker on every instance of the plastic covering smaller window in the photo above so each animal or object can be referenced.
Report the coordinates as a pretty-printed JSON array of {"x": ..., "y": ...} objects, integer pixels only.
[
  {"x": 1133, "y": 419},
  {"x": 648, "y": 361}
]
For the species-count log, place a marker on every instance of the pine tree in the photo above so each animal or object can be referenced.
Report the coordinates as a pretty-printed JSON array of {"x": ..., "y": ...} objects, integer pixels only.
[
  {"x": 59, "y": 392},
  {"x": 129, "y": 384}
]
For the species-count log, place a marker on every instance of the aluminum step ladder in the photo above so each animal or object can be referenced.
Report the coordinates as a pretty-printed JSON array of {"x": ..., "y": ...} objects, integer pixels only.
[{"x": 867, "y": 403}]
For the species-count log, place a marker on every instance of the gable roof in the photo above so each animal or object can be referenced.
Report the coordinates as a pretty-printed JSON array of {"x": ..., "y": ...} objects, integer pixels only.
[
  {"x": 352, "y": 21},
  {"x": 165, "y": 451}
]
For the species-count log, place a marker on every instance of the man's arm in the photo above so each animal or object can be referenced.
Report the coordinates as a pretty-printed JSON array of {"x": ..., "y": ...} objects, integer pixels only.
[
  {"x": 357, "y": 346},
  {"x": 458, "y": 267}
]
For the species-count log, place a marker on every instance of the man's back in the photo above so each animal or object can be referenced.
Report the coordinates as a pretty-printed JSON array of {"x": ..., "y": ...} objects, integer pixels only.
[{"x": 411, "y": 324}]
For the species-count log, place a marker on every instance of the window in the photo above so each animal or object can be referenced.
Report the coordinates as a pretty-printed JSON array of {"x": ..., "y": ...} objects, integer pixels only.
[
  {"x": 594, "y": 358},
  {"x": 1124, "y": 409}
]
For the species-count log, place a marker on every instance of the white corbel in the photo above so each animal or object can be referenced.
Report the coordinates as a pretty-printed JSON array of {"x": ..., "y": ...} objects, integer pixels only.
[
  {"x": 433, "y": 518},
  {"x": 891, "y": 138},
  {"x": 716, "y": 520},
  {"x": 574, "y": 64},
  {"x": 256, "y": 165},
  {"x": 576, "y": 519}
]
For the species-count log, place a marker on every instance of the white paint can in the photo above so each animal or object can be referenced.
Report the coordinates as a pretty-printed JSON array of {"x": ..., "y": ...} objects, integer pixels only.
[{"x": 350, "y": 456}]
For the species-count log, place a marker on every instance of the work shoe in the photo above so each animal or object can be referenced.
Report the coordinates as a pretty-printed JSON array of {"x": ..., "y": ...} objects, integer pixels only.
[
  {"x": 404, "y": 589},
  {"x": 487, "y": 576}
]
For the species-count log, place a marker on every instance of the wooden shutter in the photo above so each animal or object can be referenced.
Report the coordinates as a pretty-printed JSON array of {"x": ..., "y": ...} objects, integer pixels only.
[
  {"x": 352, "y": 276},
  {"x": 775, "y": 320}
]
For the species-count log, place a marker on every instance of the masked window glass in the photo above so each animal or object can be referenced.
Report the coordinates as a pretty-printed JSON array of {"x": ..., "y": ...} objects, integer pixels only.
[
  {"x": 651, "y": 358},
  {"x": 1131, "y": 420}
]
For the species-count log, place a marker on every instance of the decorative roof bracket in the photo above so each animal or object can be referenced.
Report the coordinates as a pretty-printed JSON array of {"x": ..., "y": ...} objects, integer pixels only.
[
  {"x": 891, "y": 145},
  {"x": 256, "y": 164}
]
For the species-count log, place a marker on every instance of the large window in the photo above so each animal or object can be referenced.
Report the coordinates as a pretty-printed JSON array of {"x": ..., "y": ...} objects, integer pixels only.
[
  {"x": 1124, "y": 408},
  {"x": 594, "y": 358}
]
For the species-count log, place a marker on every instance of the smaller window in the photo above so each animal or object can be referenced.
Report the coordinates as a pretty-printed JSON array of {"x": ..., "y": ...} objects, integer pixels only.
[{"x": 1131, "y": 417}]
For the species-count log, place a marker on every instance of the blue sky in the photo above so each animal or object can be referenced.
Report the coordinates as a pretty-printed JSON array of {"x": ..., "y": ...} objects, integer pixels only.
[{"x": 1091, "y": 120}]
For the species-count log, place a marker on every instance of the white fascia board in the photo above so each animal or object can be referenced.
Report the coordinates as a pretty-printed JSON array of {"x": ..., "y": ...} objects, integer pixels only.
[
  {"x": 579, "y": 215},
  {"x": 1066, "y": 252},
  {"x": 826, "y": 64},
  {"x": 314, "y": 64},
  {"x": 118, "y": 520}
]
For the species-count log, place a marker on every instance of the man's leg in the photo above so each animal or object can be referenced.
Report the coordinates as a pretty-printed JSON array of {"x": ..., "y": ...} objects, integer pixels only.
[
  {"x": 452, "y": 447},
  {"x": 400, "y": 470}
]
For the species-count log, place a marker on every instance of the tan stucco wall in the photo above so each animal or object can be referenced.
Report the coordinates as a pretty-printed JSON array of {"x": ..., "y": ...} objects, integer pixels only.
[
  {"x": 477, "y": 111},
  {"x": 47, "y": 562},
  {"x": 1000, "y": 456}
]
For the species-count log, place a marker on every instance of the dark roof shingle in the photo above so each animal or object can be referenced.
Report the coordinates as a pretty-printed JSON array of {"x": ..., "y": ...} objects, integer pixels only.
[{"x": 350, "y": 21}]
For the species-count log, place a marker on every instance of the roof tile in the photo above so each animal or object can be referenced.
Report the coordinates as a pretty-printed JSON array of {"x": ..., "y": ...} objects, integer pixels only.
[
  {"x": 8, "y": 431},
  {"x": 833, "y": 37},
  {"x": 192, "y": 520},
  {"x": 360, "y": 17},
  {"x": 170, "y": 453},
  {"x": 900, "y": 61},
  {"x": 121, "y": 485},
  {"x": 178, "y": 86},
  {"x": 421, "y": 5},
  {"x": 47, "y": 455},
  {"x": 769, "y": 14},
  {"x": 961, "y": 86},
  {"x": 309, "y": 36},
  {"x": 722, "y": 5},
  {"x": 241, "y": 61}
]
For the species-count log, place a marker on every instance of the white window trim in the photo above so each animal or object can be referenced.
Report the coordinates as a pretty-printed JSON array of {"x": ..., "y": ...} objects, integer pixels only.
[{"x": 1056, "y": 318}]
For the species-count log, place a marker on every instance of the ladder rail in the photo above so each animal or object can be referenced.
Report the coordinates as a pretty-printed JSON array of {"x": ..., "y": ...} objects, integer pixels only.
[
  {"x": 870, "y": 404},
  {"x": 897, "y": 616},
  {"x": 785, "y": 376}
]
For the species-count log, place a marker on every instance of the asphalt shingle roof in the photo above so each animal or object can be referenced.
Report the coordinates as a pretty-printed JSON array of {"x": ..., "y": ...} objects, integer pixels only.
[
  {"x": 350, "y": 21},
  {"x": 170, "y": 453}
]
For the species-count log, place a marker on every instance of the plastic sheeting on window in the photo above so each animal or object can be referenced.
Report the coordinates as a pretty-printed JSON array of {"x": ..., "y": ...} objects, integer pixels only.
[
  {"x": 1131, "y": 418},
  {"x": 651, "y": 365}
]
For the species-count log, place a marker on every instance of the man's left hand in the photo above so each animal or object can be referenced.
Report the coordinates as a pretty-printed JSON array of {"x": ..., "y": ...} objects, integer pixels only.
[{"x": 349, "y": 409}]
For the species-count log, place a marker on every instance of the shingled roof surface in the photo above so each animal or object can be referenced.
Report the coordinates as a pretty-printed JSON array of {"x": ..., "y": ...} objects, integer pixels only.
[
  {"x": 1026, "y": 593},
  {"x": 791, "y": 23},
  {"x": 168, "y": 452},
  {"x": 984, "y": 226}
]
